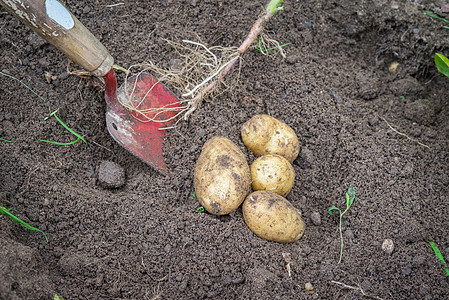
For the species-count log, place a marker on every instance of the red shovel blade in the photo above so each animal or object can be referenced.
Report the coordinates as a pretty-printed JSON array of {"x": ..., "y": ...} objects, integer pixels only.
[{"x": 136, "y": 115}]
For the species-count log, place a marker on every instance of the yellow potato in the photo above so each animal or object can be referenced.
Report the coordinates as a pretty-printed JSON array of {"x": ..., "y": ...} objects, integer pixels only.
[
  {"x": 272, "y": 217},
  {"x": 222, "y": 178},
  {"x": 272, "y": 173},
  {"x": 263, "y": 134}
]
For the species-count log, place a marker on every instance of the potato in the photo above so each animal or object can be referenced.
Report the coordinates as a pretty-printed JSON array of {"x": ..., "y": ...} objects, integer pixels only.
[
  {"x": 263, "y": 135},
  {"x": 272, "y": 217},
  {"x": 222, "y": 178},
  {"x": 272, "y": 173}
]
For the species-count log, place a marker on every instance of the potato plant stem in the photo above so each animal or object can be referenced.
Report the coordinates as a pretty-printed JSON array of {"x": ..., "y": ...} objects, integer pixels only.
[
  {"x": 271, "y": 9},
  {"x": 341, "y": 235}
]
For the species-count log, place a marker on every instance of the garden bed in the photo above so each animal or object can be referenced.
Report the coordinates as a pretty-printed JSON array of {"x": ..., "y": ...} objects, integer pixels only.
[{"x": 385, "y": 133}]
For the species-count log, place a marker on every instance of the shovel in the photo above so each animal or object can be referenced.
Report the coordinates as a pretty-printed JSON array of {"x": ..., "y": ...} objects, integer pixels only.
[{"x": 137, "y": 111}]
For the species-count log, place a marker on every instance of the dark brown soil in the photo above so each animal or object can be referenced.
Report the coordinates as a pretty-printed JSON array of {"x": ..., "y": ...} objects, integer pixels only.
[{"x": 384, "y": 133}]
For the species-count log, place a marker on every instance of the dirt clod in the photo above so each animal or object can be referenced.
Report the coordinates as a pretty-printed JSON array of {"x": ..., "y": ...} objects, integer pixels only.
[
  {"x": 316, "y": 218},
  {"x": 406, "y": 87},
  {"x": 111, "y": 175}
]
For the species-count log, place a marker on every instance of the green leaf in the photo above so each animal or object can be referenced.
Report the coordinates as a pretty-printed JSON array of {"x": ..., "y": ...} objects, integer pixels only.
[
  {"x": 8, "y": 141},
  {"x": 199, "y": 210},
  {"x": 442, "y": 63},
  {"x": 274, "y": 6},
  {"x": 3, "y": 210},
  {"x": 435, "y": 16},
  {"x": 350, "y": 196},
  {"x": 331, "y": 209},
  {"x": 440, "y": 256},
  {"x": 58, "y": 143}
]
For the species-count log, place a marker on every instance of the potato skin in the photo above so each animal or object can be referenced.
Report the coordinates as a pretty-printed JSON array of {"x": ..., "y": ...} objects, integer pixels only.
[
  {"x": 263, "y": 134},
  {"x": 222, "y": 178},
  {"x": 273, "y": 173},
  {"x": 272, "y": 217}
]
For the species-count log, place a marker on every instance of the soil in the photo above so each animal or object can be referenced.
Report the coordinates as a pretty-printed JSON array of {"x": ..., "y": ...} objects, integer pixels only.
[{"x": 385, "y": 133}]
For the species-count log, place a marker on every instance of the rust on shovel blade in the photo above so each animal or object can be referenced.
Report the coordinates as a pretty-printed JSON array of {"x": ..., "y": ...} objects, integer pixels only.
[{"x": 137, "y": 112}]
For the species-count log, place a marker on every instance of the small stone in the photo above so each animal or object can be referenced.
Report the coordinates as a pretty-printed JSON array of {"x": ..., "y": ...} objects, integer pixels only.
[
  {"x": 388, "y": 246},
  {"x": 111, "y": 175},
  {"x": 201, "y": 132},
  {"x": 291, "y": 59},
  {"x": 393, "y": 171},
  {"x": 307, "y": 154},
  {"x": 316, "y": 218},
  {"x": 86, "y": 9},
  {"x": 167, "y": 248},
  {"x": 406, "y": 271},
  {"x": 308, "y": 286}
]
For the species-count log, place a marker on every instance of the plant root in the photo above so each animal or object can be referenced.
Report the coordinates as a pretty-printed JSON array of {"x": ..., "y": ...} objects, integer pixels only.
[
  {"x": 356, "y": 289},
  {"x": 203, "y": 69}
]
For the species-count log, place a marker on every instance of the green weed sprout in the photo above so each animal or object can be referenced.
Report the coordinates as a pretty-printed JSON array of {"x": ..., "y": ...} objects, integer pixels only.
[
  {"x": 442, "y": 63},
  {"x": 79, "y": 137},
  {"x": 350, "y": 197},
  {"x": 51, "y": 114},
  {"x": 3, "y": 210},
  {"x": 436, "y": 17},
  {"x": 8, "y": 141},
  {"x": 199, "y": 210},
  {"x": 440, "y": 257}
]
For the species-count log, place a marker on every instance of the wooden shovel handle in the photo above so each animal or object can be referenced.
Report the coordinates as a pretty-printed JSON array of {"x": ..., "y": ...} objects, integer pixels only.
[{"x": 52, "y": 21}]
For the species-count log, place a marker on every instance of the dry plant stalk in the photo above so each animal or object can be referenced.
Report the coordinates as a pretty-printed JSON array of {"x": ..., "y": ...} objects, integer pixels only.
[{"x": 203, "y": 70}]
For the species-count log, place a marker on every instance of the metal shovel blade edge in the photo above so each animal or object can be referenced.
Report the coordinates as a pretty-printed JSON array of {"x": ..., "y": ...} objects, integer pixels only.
[{"x": 134, "y": 118}]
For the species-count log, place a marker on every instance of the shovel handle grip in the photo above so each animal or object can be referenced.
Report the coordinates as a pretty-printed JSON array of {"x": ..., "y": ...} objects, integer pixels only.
[{"x": 52, "y": 21}]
